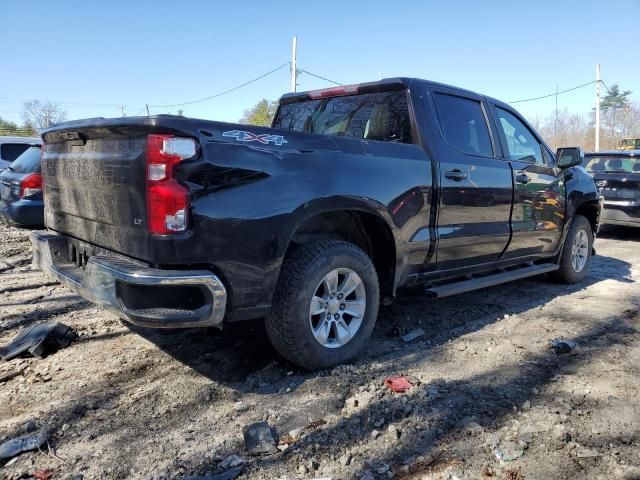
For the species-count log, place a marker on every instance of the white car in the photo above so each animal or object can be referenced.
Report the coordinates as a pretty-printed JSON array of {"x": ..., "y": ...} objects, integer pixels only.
[{"x": 12, "y": 147}]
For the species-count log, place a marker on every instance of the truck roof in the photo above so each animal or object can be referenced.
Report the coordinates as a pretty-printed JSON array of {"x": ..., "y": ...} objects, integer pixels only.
[{"x": 386, "y": 84}]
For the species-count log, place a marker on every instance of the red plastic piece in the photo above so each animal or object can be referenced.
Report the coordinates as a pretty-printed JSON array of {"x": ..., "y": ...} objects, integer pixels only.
[
  {"x": 42, "y": 474},
  {"x": 398, "y": 384}
]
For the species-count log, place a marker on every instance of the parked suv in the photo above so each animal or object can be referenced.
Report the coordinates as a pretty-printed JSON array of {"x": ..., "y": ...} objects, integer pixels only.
[
  {"x": 355, "y": 191},
  {"x": 617, "y": 175},
  {"x": 12, "y": 147}
]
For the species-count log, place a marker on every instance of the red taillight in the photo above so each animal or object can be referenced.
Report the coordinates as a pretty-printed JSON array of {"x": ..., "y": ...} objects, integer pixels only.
[
  {"x": 334, "y": 91},
  {"x": 31, "y": 185},
  {"x": 167, "y": 200}
]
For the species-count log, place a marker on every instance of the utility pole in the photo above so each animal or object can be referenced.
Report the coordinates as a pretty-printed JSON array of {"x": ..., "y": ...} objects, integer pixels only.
[
  {"x": 597, "y": 149},
  {"x": 294, "y": 67},
  {"x": 122, "y": 110},
  {"x": 147, "y": 105}
]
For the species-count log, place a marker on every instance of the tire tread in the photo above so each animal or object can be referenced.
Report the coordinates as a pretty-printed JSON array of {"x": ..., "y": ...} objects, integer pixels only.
[{"x": 281, "y": 321}]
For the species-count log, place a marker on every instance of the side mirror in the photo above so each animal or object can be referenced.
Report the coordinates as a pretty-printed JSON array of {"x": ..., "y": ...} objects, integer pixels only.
[{"x": 569, "y": 157}]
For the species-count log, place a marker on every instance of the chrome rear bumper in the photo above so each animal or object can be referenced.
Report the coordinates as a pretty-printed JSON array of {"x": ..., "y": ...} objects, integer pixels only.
[{"x": 126, "y": 287}]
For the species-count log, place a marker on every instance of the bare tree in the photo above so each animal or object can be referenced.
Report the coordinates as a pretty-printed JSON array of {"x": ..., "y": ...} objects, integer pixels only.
[
  {"x": 574, "y": 129},
  {"x": 42, "y": 115}
]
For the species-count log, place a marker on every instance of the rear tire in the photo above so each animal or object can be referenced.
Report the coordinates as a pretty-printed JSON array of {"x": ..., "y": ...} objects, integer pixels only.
[
  {"x": 575, "y": 259},
  {"x": 325, "y": 305}
]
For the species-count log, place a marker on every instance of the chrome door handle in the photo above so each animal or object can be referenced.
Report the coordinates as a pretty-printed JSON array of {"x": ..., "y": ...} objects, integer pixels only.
[{"x": 455, "y": 174}]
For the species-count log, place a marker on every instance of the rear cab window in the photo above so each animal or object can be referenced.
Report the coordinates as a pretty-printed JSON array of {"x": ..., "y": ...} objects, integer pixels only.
[
  {"x": 463, "y": 124},
  {"x": 382, "y": 116},
  {"x": 11, "y": 151},
  {"x": 28, "y": 162}
]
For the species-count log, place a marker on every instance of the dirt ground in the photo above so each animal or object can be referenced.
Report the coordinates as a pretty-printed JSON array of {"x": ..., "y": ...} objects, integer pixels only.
[{"x": 124, "y": 402}]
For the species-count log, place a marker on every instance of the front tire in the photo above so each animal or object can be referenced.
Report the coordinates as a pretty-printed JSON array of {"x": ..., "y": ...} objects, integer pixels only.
[
  {"x": 576, "y": 252},
  {"x": 325, "y": 305}
]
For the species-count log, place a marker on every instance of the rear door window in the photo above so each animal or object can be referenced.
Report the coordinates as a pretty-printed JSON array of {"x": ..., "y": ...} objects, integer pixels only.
[
  {"x": 463, "y": 124},
  {"x": 380, "y": 116},
  {"x": 28, "y": 162},
  {"x": 11, "y": 151}
]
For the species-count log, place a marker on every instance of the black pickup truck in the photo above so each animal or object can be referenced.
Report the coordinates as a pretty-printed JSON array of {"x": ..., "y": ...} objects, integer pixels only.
[{"x": 313, "y": 223}]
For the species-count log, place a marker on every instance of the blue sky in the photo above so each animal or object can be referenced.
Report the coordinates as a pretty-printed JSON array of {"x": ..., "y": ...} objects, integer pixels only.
[{"x": 137, "y": 52}]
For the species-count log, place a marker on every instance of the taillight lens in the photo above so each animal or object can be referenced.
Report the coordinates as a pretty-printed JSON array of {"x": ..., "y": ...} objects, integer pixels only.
[
  {"x": 31, "y": 185},
  {"x": 167, "y": 200}
]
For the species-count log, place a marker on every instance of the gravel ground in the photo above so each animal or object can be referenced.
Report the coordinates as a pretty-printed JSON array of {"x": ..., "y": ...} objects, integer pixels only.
[{"x": 123, "y": 402}]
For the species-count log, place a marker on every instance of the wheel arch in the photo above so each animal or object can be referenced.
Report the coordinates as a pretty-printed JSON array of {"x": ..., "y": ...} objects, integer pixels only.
[
  {"x": 590, "y": 210},
  {"x": 362, "y": 226}
]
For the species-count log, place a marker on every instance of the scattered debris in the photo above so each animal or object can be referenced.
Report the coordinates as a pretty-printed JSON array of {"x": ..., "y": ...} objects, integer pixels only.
[
  {"x": 4, "y": 265},
  {"x": 259, "y": 439},
  {"x": 562, "y": 346},
  {"x": 39, "y": 340},
  {"x": 11, "y": 462},
  {"x": 398, "y": 384},
  {"x": 25, "y": 443},
  {"x": 292, "y": 436},
  {"x": 6, "y": 376},
  {"x": 296, "y": 434},
  {"x": 313, "y": 464},
  {"x": 393, "y": 432},
  {"x": 240, "y": 407},
  {"x": 424, "y": 466},
  {"x": 587, "y": 453},
  {"x": 227, "y": 475},
  {"x": 487, "y": 472},
  {"x": 42, "y": 474},
  {"x": 394, "y": 331},
  {"x": 315, "y": 424},
  {"x": 508, "y": 451},
  {"x": 513, "y": 475},
  {"x": 413, "y": 334},
  {"x": 228, "y": 469},
  {"x": 232, "y": 461}
]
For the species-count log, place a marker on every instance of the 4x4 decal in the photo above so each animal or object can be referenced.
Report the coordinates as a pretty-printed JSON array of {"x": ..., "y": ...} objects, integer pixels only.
[{"x": 265, "y": 138}]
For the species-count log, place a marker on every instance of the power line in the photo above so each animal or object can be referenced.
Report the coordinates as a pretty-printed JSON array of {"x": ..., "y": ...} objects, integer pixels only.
[
  {"x": 120, "y": 105},
  {"x": 554, "y": 94},
  {"x": 318, "y": 76},
  {"x": 139, "y": 112},
  {"x": 225, "y": 92}
]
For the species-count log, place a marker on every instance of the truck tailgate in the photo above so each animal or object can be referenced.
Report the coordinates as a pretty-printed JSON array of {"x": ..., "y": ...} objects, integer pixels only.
[{"x": 94, "y": 187}]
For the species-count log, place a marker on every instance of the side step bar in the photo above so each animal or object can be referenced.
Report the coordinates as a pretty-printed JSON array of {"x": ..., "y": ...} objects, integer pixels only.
[{"x": 489, "y": 280}]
